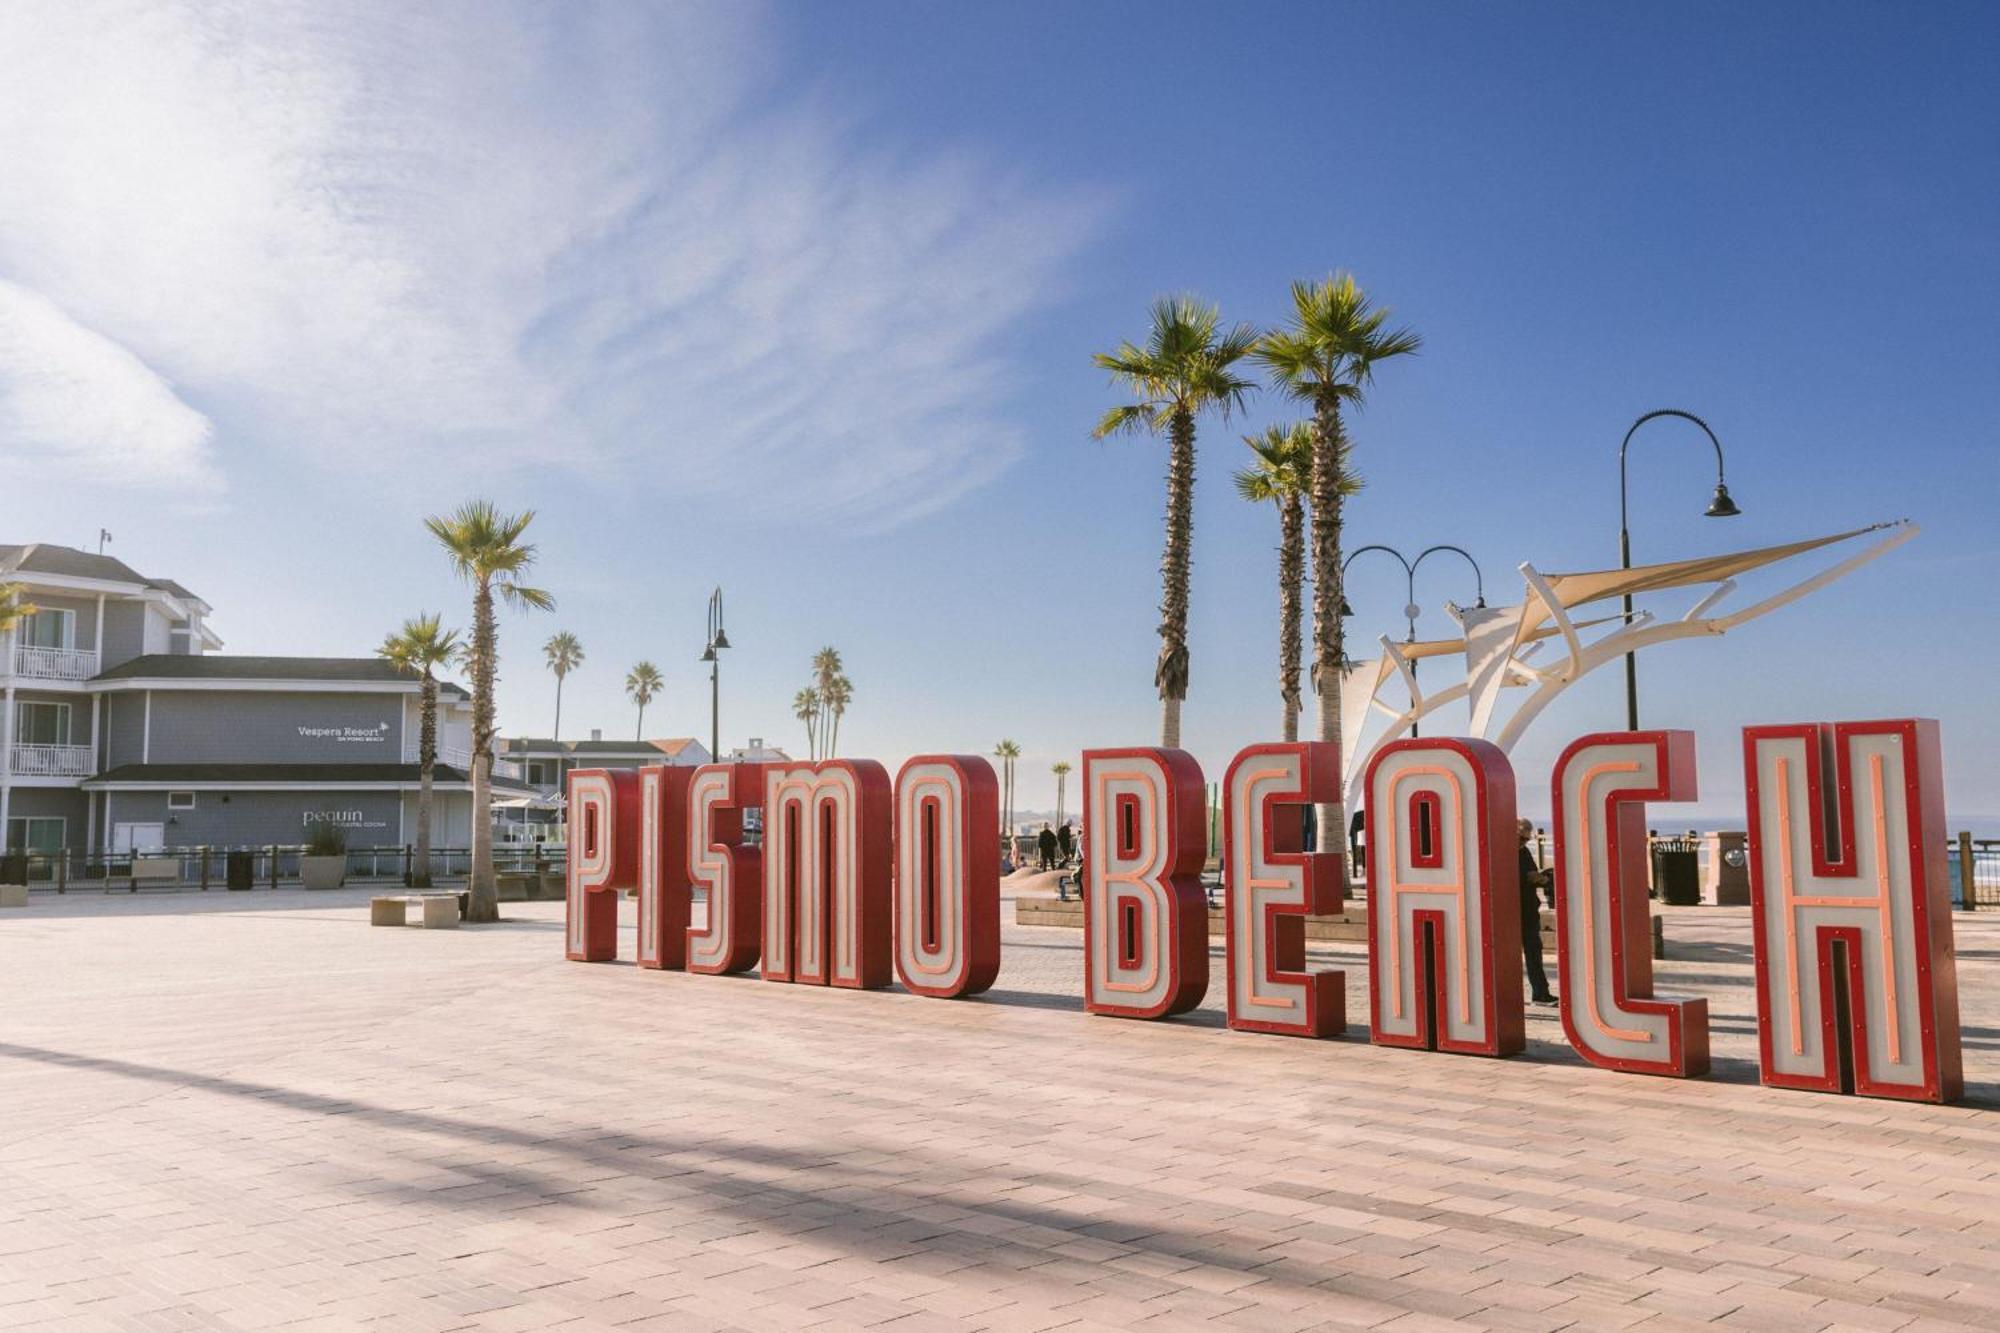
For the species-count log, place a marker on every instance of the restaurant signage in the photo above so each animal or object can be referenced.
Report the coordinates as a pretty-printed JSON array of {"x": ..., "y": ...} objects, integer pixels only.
[{"x": 859, "y": 880}]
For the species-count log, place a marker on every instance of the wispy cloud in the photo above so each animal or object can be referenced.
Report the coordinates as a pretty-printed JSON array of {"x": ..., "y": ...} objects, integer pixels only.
[{"x": 439, "y": 236}]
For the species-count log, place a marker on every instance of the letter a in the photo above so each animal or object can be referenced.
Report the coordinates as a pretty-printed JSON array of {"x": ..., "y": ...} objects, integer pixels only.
[
  {"x": 1852, "y": 922},
  {"x": 947, "y": 875},
  {"x": 603, "y": 859},
  {"x": 1273, "y": 884},
  {"x": 1604, "y": 949},
  {"x": 1145, "y": 922},
  {"x": 719, "y": 863},
  {"x": 1444, "y": 926}
]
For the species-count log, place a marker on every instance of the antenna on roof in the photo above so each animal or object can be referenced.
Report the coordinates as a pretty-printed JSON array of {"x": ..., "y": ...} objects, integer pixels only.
[{"x": 102, "y": 537}]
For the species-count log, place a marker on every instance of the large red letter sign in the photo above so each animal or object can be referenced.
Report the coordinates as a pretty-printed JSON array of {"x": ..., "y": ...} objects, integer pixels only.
[
  {"x": 1145, "y": 922},
  {"x": 719, "y": 863},
  {"x": 826, "y": 873},
  {"x": 665, "y": 896},
  {"x": 947, "y": 875},
  {"x": 1604, "y": 949},
  {"x": 1273, "y": 884},
  {"x": 1854, "y": 919},
  {"x": 603, "y": 846},
  {"x": 1444, "y": 927}
]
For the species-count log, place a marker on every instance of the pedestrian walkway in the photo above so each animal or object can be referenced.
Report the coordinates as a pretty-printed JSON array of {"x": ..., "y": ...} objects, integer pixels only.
[{"x": 253, "y": 1111}]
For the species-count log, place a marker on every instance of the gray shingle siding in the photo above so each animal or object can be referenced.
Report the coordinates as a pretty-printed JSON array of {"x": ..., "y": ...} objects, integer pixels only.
[
  {"x": 124, "y": 633},
  {"x": 124, "y": 723},
  {"x": 229, "y": 726},
  {"x": 260, "y": 818}
]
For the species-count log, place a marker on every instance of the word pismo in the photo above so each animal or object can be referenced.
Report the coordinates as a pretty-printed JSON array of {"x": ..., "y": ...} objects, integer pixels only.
[{"x": 859, "y": 880}]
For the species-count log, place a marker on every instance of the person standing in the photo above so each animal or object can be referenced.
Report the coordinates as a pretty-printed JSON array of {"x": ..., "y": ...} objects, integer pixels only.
[
  {"x": 1046, "y": 844},
  {"x": 1065, "y": 842},
  {"x": 1533, "y": 878}
]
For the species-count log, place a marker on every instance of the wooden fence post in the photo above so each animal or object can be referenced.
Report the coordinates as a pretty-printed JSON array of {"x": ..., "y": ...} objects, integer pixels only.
[{"x": 1965, "y": 878}]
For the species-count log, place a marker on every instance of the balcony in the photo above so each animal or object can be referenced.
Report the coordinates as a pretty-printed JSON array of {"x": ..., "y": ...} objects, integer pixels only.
[
  {"x": 53, "y": 761},
  {"x": 449, "y": 756},
  {"x": 55, "y": 663}
]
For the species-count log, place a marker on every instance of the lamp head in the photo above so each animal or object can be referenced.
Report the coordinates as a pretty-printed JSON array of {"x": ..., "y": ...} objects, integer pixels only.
[
  {"x": 1721, "y": 506},
  {"x": 721, "y": 639},
  {"x": 1346, "y": 611},
  {"x": 708, "y": 653}
]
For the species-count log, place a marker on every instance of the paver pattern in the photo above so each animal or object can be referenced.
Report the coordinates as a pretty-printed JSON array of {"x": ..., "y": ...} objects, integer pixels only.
[{"x": 254, "y": 1111}]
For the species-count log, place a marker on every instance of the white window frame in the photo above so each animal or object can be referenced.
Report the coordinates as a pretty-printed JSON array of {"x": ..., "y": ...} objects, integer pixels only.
[
  {"x": 68, "y": 631},
  {"x": 180, "y": 800},
  {"x": 67, "y": 729}
]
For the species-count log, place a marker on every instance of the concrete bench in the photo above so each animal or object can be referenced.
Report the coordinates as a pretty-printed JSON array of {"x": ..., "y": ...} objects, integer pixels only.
[
  {"x": 440, "y": 910},
  {"x": 13, "y": 895},
  {"x": 156, "y": 868}
]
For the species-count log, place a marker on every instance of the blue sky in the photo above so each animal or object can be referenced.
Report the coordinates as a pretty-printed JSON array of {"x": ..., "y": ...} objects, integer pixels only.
[{"x": 801, "y": 300}]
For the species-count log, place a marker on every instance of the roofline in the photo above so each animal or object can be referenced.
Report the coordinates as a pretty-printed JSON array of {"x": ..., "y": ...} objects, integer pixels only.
[{"x": 240, "y": 684}]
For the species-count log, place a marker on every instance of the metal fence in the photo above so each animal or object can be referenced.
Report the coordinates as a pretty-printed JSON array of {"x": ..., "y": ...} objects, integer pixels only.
[{"x": 76, "y": 870}]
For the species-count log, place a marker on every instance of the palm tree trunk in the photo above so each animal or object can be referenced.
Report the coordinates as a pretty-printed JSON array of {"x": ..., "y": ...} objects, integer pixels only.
[
  {"x": 833, "y": 737},
  {"x": 1291, "y": 592},
  {"x": 639, "y": 731},
  {"x": 420, "y": 876},
  {"x": 1172, "y": 673},
  {"x": 1329, "y": 634},
  {"x": 558, "y": 735},
  {"x": 483, "y": 887}
]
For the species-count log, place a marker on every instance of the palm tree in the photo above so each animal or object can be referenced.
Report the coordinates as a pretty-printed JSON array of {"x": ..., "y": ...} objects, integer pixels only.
[
  {"x": 642, "y": 683},
  {"x": 563, "y": 654},
  {"x": 12, "y": 609},
  {"x": 1282, "y": 475},
  {"x": 1061, "y": 769},
  {"x": 840, "y": 693},
  {"x": 1183, "y": 370},
  {"x": 805, "y": 707},
  {"x": 1006, "y": 752},
  {"x": 1327, "y": 358},
  {"x": 486, "y": 549},
  {"x": 422, "y": 645}
]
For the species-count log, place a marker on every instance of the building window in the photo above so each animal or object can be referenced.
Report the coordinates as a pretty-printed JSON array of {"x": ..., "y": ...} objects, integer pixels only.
[
  {"x": 49, "y": 628},
  {"x": 36, "y": 833},
  {"x": 180, "y": 800},
  {"x": 41, "y": 723},
  {"x": 543, "y": 772}
]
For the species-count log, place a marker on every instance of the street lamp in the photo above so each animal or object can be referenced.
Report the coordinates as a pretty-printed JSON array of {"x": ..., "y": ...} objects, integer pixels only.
[
  {"x": 717, "y": 640},
  {"x": 1410, "y": 567},
  {"x": 1719, "y": 506}
]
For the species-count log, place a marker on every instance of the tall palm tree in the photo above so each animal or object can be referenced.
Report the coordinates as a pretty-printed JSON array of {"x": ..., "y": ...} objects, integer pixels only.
[
  {"x": 643, "y": 682},
  {"x": 1282, "y": 475},
  {"x": 1006, "y": 752},
  {"x": 840, "y": 693},
  {"x": 1327, "y": 357},
  {"x": 422, "y": 645},
  {"x": 805, "y": 707},
  {"x": 1182, "y": 371},
  {"x": 563, "y": 654},
  {"x": 485, "y": 547},
  {"x": 1061, "y": 768}
]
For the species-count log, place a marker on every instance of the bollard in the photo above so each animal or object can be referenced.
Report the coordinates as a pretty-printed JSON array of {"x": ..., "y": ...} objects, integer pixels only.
[{"x": 1965, "y": 884}]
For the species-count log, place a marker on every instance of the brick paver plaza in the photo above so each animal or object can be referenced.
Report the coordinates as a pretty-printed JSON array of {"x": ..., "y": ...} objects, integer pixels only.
[{"x": 253, "y": 1111}]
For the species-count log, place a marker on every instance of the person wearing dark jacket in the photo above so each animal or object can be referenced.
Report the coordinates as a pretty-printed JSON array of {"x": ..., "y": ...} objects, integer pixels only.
[
  {"x": 1046, "y": 845},
  {"x": 1065, "y": 842},
  {"x": 1533, "y": 877}
]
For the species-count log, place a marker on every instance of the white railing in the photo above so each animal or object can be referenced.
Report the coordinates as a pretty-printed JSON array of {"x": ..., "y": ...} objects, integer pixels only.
[
  {"x": 53, "y": 761},
  {"x": 55, "y": 663},
  {"x": 453, "y": 756}
]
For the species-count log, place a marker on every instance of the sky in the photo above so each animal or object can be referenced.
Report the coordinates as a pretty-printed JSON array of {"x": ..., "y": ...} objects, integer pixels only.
[{"x": 800, "y": 301}]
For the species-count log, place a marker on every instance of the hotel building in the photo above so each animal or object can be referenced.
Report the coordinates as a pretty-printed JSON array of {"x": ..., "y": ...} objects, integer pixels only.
[
  {"x": 123, "y": 729},
  {"x": 544, "y": 765}
]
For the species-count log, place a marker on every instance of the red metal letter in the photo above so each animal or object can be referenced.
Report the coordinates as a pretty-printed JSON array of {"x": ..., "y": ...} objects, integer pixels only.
[
  {"x": 1855, "y": 918},
  {"x": 826, "y": 874},
  {"x": 603, "y": 859},
  {"x": 1273, "y": 884},
  {"x": 947, "y": 875},
  {"x": 1444, "y": 927},
  {"x": 1604, "y": 950},
  {"x": 719, "y": 863},
  {"x": 665, "y": 895},
  {"x": 1145, "y": 922}
]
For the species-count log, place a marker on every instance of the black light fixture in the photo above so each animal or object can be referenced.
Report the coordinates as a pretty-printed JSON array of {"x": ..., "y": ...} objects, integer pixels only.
[
  {"x": 717, "y": 640},
  {"x": 1719, "y": 506}
]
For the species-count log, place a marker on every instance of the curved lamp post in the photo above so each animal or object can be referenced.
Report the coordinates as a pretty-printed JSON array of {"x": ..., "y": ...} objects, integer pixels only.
[
  {"x": 1410, "y": 567},
  {"x": 1719, "y": 506},
  {"x": 717, "y": 640}
]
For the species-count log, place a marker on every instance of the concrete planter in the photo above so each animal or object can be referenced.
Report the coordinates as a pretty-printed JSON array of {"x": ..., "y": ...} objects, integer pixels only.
[
  {"x": 13, "y": 895},
  {"x": 322, "y": 872}
]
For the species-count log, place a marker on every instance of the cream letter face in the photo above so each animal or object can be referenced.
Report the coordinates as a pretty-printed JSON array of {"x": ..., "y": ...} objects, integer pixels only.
[
  {"x": 1145, "y": 933},
  {"x": 1273, "y": 884},
  {"x": 947, "y": 875}
]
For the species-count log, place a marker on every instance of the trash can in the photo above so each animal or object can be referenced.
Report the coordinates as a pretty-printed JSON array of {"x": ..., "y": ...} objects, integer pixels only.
[
  {"x": 1676, "y": 872},
  {"x": 240, "y": 872}
]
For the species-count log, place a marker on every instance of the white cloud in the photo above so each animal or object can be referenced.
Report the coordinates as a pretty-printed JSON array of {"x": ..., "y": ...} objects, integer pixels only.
[
  {"x": 74, "y": 402},
  {"x": 439, "y": 235}
]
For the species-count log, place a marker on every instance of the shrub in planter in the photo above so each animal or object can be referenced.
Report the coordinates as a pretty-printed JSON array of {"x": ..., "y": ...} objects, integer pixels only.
[{"x": 324, "y": 862}]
